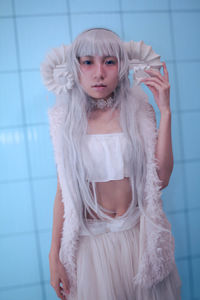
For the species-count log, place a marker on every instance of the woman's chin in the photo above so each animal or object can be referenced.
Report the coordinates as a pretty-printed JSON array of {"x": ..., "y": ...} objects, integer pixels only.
[{"x": 100, "y": 95}]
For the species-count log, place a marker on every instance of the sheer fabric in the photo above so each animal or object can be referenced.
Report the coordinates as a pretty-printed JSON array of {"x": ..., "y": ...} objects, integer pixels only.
[{"x": 108, "y": 261}]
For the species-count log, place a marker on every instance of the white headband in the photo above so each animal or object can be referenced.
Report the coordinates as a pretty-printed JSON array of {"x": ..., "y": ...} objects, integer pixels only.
[{"x": 59, "y": 80}]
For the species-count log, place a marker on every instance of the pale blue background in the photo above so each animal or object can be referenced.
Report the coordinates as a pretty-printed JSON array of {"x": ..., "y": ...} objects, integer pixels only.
[{"x": 28, "y": 30}]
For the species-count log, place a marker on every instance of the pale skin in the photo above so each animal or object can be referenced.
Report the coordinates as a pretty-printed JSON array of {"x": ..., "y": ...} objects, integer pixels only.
[{"x": 104, "y": 70}]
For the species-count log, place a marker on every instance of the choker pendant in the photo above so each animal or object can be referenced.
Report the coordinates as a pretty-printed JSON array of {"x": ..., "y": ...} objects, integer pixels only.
[{"x": 101, "y": 103}]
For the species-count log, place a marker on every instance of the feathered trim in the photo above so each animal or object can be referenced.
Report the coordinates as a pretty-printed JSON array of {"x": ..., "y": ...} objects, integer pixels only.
[
  {"x": 156, "y": 258},
  {"x": 70, "y": 232}
]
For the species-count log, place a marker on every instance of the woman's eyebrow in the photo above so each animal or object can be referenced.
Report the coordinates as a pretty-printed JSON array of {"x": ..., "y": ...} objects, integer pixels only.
[
  {"x": 106, "y": 56},
  {"x": 90, "y": 56}
]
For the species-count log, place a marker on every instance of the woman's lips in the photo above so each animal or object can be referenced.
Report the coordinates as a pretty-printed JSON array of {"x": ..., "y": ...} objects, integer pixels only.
[{"x": 99, "y": 87}]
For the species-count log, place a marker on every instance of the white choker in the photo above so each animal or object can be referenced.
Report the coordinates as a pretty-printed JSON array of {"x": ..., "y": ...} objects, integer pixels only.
[{"x": 101, "y": 103}]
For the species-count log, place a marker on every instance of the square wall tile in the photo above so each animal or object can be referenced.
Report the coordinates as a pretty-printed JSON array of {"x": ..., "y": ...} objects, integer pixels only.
[
  {"x": 6, "y": 8},
  {"x": 81, "y": 22},
  {"x": 15, "y": 197},
  {"x": 45, "y": 32},
  {"x": 20, "y": 293},
  {"x": 186, "y": 35},
  {"x": 10, "y": 103},
  {"x": 37, "y": 101},
  {"x": 192, "y": 170},
  {"x": 194, "y": 225},
  {"x": 174, "y": 194},
  {"x": 13, "y": 154},
  {"x": 50, "y": 292},
  {"x": 8, "y": 57},
  {"x": 94, "y": 6},
  {"x": 44, "y": 196},
  {"x": 185, "y": 4},
  {"x": 178, "y": 226},
  {"x": 128, "y": 5},
  {"x": 190, "y": 130},
  {"x": 152, "y": 28},
  {"x": 32, "y": 7},
  {"x": 196, "y": 276},
  {"x": 23, "y": 267},
  {"x": 40, "y": 151},
  {"x": 188, "y": 84},
  {"x": 183, "y": 269}
]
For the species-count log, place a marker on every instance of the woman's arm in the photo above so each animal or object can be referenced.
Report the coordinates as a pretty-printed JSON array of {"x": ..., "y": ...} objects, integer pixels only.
[
  {"x": 57, "y": 270},
  {"x": 58, "y": 213},
  {"x": 160, "y": 87},
  {"x": 164, "y": 152}
]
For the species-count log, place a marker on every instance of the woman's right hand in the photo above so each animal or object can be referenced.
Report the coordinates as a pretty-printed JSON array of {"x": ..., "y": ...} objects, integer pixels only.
[{"x": 59, "y": 280}]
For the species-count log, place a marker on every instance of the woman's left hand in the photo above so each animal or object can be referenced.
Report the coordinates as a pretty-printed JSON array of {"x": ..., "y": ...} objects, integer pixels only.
[{"x": 160, "y": 87}]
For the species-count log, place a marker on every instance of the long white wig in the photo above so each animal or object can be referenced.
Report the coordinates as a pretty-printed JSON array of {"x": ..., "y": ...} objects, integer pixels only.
[{"x": 100, "y": 41}]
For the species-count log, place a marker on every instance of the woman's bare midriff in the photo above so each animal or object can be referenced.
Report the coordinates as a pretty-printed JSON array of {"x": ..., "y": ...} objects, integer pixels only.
[{"x": 114, "y": 195}]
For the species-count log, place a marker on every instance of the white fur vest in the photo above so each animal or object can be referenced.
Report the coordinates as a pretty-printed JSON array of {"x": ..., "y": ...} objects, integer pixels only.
[{"x": 156, "y": 257}]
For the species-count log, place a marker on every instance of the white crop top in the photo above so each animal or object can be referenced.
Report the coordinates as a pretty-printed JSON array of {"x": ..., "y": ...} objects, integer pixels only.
[{"x": 105, "y": 157}]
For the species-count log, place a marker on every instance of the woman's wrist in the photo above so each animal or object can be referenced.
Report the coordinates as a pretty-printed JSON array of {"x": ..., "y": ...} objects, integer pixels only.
[
  {"x": 165, "y": 111},
  {"x": 54, "y": 254}
]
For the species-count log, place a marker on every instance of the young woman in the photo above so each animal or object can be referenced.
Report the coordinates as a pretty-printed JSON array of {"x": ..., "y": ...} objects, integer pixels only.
[{"x": 111, "y": 239}]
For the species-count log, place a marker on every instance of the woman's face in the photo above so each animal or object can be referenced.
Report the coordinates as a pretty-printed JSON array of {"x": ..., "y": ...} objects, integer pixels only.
[{"x": 99, "y": 75}]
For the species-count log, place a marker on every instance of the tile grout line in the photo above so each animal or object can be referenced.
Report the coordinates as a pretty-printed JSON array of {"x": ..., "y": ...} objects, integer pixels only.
[
  {"x": 121, "y": 20},
  {"x": 188, "y": 238},
  {"x": 37, "y": 241},
  {"x": 58, "y": 14},
  {"x": 19, "y": 286},
  {"x": 69, "y": 19}
]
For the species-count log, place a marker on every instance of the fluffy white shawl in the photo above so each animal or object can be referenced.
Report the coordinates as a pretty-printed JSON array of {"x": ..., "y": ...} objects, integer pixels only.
[{"x": 156, "y": 258}]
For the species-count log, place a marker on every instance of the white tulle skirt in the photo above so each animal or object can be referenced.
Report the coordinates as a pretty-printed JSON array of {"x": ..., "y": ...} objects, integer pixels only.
[{"x": 107, "y": 263}]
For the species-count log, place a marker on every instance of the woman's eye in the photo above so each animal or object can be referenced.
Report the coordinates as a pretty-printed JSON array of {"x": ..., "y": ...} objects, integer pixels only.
[
  {"x": 87, "y": 62},
  {"x": 110, "y": 62}
]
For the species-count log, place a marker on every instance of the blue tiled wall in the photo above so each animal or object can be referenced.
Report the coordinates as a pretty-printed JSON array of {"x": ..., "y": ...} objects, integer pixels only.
[{"x": 28, "y": 30}]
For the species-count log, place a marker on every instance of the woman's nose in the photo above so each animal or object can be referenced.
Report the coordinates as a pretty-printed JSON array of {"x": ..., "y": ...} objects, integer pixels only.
[{"x": 99, "y": 71}]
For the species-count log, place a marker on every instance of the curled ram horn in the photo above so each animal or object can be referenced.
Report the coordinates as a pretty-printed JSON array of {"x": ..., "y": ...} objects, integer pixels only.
[
  {"x": 141, "y": 57},
  {"x": 55, "y": 73}
]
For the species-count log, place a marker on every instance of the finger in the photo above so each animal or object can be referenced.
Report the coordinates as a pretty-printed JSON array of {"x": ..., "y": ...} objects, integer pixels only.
[
  {"x": 65, "y": 286},
  {"x": 166, "y": 74},
  {"x": 64, "y": 297},
  {"x": 155, "y": 73},
  {"x": 152, "y": 79},
  {"x": 152, "y": 89},
  {"x": 58, "y": 290},
  {"x": 59, "y": 294},
  {"x": 154, "y": 85}
]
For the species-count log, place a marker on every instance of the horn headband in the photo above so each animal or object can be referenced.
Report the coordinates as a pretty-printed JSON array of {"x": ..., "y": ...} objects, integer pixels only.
[{"x": 58, "y": 79}]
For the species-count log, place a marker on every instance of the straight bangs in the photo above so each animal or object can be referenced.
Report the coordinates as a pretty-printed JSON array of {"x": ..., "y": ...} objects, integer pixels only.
[{"x": 101, "y": 42}]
